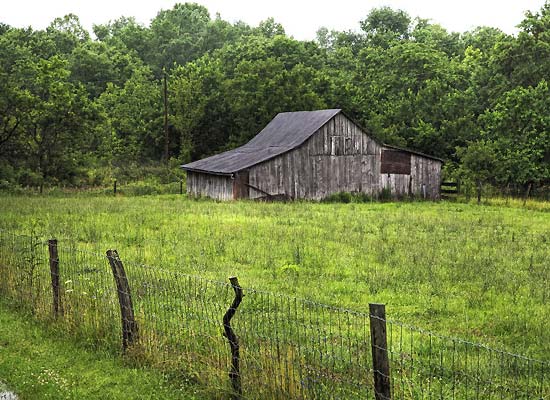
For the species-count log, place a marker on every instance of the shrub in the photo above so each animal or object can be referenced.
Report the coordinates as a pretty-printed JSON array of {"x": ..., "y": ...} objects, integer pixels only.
[
  {"x": 385, "y": 194},
  {"x": 346, "y": 197}
]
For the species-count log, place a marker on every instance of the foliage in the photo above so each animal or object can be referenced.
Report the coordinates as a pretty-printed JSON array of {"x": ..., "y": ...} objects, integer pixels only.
[
  {"x": 134, "y": 115},
  {"x": 520, "y": 126},
  {"x": 71, "y": 102},
  {"x": 478, "y": 164},
  {"x": 385, "y": 26}
]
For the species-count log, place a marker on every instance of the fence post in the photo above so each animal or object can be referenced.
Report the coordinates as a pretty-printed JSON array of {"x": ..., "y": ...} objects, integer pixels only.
[
  {"x": 234, "y": 374},
  {"x": 379, "y": 343},
  {"x": 114, "y": 187},
  {"x": 54, "y": 272},
  {"x": 129, "y": 325},
  {"x": 181, "y": 186}
]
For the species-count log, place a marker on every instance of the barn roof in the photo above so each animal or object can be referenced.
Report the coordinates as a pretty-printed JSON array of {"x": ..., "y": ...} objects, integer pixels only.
[{"x": 285, "y": 132}]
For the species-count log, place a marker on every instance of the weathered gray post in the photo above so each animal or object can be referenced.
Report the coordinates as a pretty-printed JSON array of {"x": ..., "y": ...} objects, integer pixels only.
[
  {"x": 234, "y": 374},
  {"x": 129, "y": 325},
  {"x": 54, "y": 272},
  {"x": 380, "y": 360}
]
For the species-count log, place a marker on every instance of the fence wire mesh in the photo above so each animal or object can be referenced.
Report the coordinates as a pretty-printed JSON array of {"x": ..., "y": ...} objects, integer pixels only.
[
  {"x": 425, "y": 364},
  {"x": 289, "y": 347}
]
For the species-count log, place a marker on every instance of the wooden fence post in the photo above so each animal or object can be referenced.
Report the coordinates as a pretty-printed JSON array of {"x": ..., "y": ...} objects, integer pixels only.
[
  {"x": 234, "y": 374},
  {"x": 114, "y": 187},
  {"x": 129, "y": 325},
  {"x": 527, "y": 193},
  {"x": 54, "y": 272},
  {"x": 380, "y": 360},
  {"x": 181, "y": 186}
]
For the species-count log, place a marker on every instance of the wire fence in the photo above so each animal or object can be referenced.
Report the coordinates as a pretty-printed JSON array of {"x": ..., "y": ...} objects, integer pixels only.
[
  {"x": 427, "y": 365},
  {"x": 286, "y": 347}
]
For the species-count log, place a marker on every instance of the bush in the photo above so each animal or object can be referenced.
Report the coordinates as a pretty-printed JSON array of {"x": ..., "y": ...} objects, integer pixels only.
[
  {"x": 157, "y": 172},
  {"x": 140, "y": 189},
  {"x": 385, "y": 194},
  {"x": 346, "y": 197}
]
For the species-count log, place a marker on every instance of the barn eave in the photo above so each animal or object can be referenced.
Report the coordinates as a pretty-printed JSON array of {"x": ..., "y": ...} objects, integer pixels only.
[
  {"x": 418, "y": 153},
  {"x": 204, "y": 171}
]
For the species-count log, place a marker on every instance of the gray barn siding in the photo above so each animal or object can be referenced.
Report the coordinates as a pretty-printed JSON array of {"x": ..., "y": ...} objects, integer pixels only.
[
  {"x": 340, "y": 157},
  {"x": 218, "y": 187}
]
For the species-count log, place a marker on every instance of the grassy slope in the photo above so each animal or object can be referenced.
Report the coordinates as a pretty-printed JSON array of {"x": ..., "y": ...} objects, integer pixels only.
[
  {"x": 37, "y": 365},
  {"x": 477, "y": 272}
]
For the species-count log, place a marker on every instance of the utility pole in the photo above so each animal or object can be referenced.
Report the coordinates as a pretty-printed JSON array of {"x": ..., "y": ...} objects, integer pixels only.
[{"x": 166, "y": 137}]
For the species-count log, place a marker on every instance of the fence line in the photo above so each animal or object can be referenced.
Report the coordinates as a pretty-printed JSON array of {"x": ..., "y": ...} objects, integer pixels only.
[{"x": 287, "y": 347}]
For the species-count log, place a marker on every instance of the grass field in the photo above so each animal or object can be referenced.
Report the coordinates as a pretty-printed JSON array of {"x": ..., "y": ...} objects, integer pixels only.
[
  {"x": 476, "y": 272},
  {"x": 40, "y": 365}
]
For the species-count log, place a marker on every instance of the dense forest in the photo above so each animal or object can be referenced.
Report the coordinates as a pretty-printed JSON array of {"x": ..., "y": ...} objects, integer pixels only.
[{"x": 78, "y": 108}]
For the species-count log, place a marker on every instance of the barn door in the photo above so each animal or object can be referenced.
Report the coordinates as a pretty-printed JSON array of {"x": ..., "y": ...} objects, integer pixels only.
[{"x": 240, "y": 185}]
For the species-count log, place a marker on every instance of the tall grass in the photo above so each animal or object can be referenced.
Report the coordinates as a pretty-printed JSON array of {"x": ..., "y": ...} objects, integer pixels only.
[{"x": 477, "y": 272}]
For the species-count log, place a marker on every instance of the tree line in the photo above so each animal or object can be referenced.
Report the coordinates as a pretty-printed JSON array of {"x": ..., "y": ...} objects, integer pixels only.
[{"x": 77, "y": 109}]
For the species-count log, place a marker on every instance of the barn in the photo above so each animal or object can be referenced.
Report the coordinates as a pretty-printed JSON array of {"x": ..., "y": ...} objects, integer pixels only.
[{"x": 311, "y": 155}]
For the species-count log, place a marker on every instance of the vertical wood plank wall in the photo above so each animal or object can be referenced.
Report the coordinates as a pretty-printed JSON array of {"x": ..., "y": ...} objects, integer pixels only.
[
  {"x": 340, "y": 157},
  {"x": 218, "y": 187}
]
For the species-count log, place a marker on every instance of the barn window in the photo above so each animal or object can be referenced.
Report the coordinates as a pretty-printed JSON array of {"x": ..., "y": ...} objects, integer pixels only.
[
  {"x": 349, "y": 146},
  {"x": 396, "y": 162},
  {"x": 337, "y": 145}
]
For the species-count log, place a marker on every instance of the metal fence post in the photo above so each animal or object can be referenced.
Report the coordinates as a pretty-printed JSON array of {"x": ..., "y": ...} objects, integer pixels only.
[
  {"x": 54, "y": 272},
  {"x": 380, "y": 360}
]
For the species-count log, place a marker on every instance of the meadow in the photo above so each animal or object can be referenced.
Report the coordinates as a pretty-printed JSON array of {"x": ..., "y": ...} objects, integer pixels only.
[
  {"x": 41, "y": 365},
  {"x": 479, "y": 273}
]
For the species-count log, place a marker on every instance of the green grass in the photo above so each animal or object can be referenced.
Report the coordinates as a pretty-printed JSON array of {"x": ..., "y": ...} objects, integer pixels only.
[
  {"x": 475, "y": 272},
  {"x": 478, "y": 272},
  {"x": 37, "y": 364}
]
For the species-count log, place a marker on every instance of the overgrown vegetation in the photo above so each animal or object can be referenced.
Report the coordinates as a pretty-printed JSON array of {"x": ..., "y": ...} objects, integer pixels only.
[
  {"x": 41, "y": 365},
  {"x": 81, "y": 110},
  {"x": 463, "y": 270}
]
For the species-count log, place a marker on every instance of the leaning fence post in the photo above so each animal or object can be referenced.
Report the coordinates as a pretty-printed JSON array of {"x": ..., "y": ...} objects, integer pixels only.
[
  {"x": 54, "y": 272},
  {"x": 234, "y": 374},
  {"x": 129, "y": 325},
  {"x": 379, "y": 343}
]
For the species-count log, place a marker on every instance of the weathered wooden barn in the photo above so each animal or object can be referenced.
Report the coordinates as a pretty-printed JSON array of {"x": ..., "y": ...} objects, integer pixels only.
[{"x": 310, "y": 155}]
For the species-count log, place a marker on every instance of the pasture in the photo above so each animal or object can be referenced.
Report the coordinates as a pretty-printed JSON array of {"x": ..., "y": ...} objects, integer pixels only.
[
  {"x": 474, "y": 272},
  {"x": 479, "y": 273}
]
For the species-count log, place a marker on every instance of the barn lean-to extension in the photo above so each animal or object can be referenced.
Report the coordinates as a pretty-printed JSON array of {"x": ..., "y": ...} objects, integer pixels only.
[{"x": 311, "y": 155}]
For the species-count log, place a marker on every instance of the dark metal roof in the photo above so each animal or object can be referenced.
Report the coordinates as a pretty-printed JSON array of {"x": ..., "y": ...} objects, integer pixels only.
[{"x": 285, "y": 132}]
